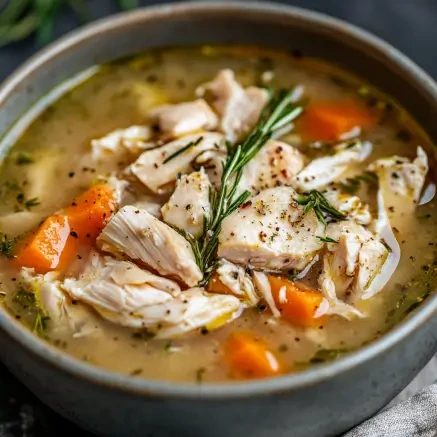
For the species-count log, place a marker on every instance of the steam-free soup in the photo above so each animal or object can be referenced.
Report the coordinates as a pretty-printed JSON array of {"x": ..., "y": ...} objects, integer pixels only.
[{"x": 217, "y": 213}]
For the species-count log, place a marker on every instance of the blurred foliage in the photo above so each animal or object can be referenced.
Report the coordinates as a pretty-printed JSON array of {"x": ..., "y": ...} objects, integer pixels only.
[{"x": 20, "y": 19}]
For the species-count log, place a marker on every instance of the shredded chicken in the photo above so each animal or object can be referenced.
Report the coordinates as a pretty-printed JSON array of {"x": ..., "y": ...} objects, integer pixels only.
[
  {"x": 182, "y": 118},
  {"x": 65, "y": 316},
  {"x": 132, "y": 140},
  {"x": 151, "y": 170},
  {"x": 276, "y": 164},
  {"x": 271, "y": 231},
  {"x": 263, "y": 287},
  {"x": 404, "y": 177},
  {"x": 127, "y": 295},
  {"x": 350, "y": 265},
  {"x": 238, "y": 281},
  {"x": 351, "y": 206},
  {"x": 327, "y": 169},
  {"x": 238, "y": 108},
  {"x": 140, "y": 236},
  {"x": 189, "y": 204}
]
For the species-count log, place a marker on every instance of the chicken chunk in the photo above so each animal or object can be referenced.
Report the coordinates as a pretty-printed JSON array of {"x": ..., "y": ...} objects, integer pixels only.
[
  {"x": 238, "y": 281},
  {"x": 238, "y": 108},
  {"x": 349, "y": 205},
  {"x": 271, "y": 231},
  {"x": 65, "y": 317},
  {"x": 404, "y": 177},
  {"x": 152, "y": 169},
  {"x": 127, "y": 295},
  {"x": 182, "y": 118},
  {"x": 322, "y": 171},
  {"x": 276, "y": 164},
  {"x": 351, "y": 264},
  {"x": 189, "y": 204},
  {"x": 131, "y": 141},
  {"x": 140, "y": 236}
]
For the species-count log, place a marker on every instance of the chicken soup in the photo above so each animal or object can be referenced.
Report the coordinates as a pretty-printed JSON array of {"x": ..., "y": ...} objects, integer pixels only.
[{"x": 217, "y": 214}]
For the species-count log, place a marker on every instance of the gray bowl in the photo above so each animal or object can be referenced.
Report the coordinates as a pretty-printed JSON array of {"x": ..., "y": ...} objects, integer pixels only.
[{"x": 323, "y": 401}]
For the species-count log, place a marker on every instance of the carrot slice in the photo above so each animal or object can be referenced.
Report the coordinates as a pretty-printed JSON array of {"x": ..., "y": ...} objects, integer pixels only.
[
  {"x": 217, "y": 286},
  {"x": 89, "y": 213},
  {"x": 249, "y": 357},
  {"x": 296, "y": 303},
  {"x": 50, "y": 247},
  {"x": 328, "y": 120}
]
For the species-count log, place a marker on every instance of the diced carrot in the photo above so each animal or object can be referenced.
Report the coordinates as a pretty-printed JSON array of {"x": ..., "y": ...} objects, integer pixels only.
[
  {"x": 50, "y": 247},
  {"x": 249, "y": 357},
  {"x": 217, "y": 286},
  {"x": 328, "y": 120},
  {"x": 90, "y": 212},
  {"x": 296, "y": 303}
]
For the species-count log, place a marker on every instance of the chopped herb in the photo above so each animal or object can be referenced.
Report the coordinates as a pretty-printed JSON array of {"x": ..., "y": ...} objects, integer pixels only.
[
  {"x": 351, "y": 185},
  {"x": 24, "y": 158},
  {"x": 41, "y": 322},
  {"x": 323, "y": 355},
  {"x": 25, "y": 299},
  {"x": 136, "y": 372},
  {"x": 327, "y": 239},
  {"x": 30, "y": 203},
  {"x": 200, "y": 372},
  {"x": 167, "y": 346},
  {"x": 143, "y": 335},
  {"x": 315, "y": 200},
  {"x": 183, "y": 149},
  {"x": 6, "y": 246}
]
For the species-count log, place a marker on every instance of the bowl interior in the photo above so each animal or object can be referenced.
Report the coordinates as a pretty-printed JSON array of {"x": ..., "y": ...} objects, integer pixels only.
[{"x": 216, "y": 23}]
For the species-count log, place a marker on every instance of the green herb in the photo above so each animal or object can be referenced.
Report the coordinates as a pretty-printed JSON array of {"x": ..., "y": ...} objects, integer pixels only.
[
  {"x": 278, "y": 113},
  {"x": 25, "y": 299},
  {"x": 6, "y": 246},
  {"x": 323, "y": 355},
  {"x": 22, "y": 18},
  {"x": 327, "y": 239},
  {"x": 200, "y": 372},
  {"x": 167, "y": 346},
  {"x": 316, "y": 201},
  {"x": 136, "y": 372},
  {"x": 24, "y": 158},
  {"x": 351, "y": 185},
  {"x": 40, "y": 324},
  {"x": 183, "y": 149},
  {"x": 31, "y": 203}
]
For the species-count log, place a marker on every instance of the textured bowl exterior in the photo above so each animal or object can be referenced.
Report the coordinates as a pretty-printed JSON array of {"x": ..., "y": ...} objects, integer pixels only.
[{"x": 324, "y": 401}]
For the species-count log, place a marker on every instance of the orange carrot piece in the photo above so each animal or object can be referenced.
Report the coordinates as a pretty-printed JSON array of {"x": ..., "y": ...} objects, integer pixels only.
[
  {"x": 90, "y": 212},
  {"x": 296, "y": 303},
  {"x": 50, "y": 247},
  {"x": 328, "y": 120},
  {"x": 249, "y": 357},
  {"x": 217, "y": 286}
]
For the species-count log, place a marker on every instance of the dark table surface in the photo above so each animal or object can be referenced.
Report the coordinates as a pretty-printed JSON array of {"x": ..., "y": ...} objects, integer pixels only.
[{"x": 410, "y": 25}]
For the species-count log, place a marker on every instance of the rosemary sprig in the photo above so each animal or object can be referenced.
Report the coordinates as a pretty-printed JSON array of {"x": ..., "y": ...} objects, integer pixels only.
[
  {"x": 22, "y": 18},
  {"x": 277, "y": 114},
  {"x": 316, "y": 201},
  {"x": 352, "y": 185},
  {"x": 6, "y": 246},
  {"x": 183, "y": 149},
  {"x": 327, "y": 239}
]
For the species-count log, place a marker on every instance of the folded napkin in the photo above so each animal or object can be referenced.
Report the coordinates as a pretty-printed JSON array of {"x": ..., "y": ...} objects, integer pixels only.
[{"x": 415, "y": 417}]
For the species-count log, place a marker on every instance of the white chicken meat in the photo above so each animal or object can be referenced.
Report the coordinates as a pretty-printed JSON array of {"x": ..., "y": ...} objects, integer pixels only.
[
  {"x": 275, "y": 165},
  {"x": 322, "y": 171},
  {"x": 353, "y": 260},
  {"x": 189, "y": 204},
  {"x": 271, "y": 231},
  {"x": 152, "y": 169},
  {"x": 238, "y": 108},
  {"x": 140, "y": 236},
  {"x": 129, "y": 296},
  {"x": 182, "y": 118}
]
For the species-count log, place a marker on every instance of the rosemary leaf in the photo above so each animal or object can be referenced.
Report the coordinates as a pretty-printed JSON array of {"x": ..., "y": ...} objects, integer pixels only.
[
  {"x": 183, "y": 149},
  {"x": 327, "y": 239}
]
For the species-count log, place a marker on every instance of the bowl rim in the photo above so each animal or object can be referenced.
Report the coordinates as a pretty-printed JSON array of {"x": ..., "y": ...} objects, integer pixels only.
[{"x": 58, "y": 360}]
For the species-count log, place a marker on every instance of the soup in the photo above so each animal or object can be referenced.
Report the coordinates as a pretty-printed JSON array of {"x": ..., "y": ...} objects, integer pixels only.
[{"x": 217, "y": 214}]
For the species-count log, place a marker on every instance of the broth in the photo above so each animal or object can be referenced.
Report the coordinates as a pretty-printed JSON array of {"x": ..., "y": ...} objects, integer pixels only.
[{"x": 50, "y": 165}]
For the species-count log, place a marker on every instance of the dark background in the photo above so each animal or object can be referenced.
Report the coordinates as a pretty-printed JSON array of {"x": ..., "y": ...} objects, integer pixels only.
[{"x": 410, "y": 25}]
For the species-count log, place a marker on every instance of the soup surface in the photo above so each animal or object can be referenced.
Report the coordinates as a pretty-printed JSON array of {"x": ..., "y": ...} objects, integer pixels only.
[{"x": 217, "y": 213}]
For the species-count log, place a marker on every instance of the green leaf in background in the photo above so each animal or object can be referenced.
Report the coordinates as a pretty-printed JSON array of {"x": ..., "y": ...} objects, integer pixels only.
[{"x": 20, "y": 19}]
